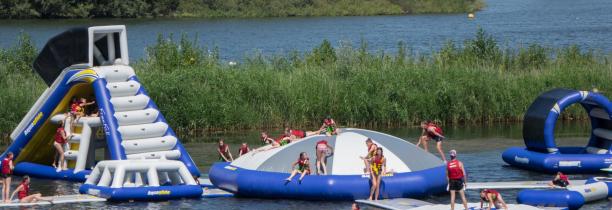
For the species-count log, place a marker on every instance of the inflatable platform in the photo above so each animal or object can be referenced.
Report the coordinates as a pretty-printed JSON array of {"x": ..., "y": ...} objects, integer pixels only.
[
  {"x": 412, "y": 204},
  {"x": 543, "y": 154},
  {"x": 573, "y": 197},
  {"x": 93, "y": 63},
  {"x": 415, "y": 173}
]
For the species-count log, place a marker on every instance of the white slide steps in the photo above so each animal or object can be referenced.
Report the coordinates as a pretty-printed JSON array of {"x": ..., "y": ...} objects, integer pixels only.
[{"x": 142, "y": 135}]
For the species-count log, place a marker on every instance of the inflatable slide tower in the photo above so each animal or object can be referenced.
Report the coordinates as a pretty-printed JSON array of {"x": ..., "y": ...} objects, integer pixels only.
[{"x": 127, "y": 150}]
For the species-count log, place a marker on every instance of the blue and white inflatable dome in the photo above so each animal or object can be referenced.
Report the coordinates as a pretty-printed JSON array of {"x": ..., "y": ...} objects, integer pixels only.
[
  {"x": 416, "y": 173},
  {"x": 543, "y": 154}
]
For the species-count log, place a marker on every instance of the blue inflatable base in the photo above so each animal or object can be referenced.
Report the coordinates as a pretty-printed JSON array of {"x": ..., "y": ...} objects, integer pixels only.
[
  {"x": 143, "y": 193},
  {"x": 571, "y": 160},
  {"x": 48, "y": 172},
  {"x": 551, "y": 198},
  {"x": 263, "y": 184}
]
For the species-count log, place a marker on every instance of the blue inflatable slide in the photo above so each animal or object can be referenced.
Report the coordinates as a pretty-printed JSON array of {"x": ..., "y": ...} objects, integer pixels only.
[{"x": 123, "y": 145}]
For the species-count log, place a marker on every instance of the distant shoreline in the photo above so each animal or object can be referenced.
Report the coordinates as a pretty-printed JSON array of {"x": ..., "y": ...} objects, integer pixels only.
[{"x": 30, "y": 9}]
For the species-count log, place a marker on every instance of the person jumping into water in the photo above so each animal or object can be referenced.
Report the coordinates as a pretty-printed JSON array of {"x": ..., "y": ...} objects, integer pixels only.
[
  {"x": 329, "y": 126},
  {"x": 244, "y": 148},
  {"x": 23, "y": 192},
  {"x": 323, "y": 148},
  {"x": 377, "y": 171},
  {"x": 560, "y": 180},
  {"x": 59, "y": 140},
  {"x": 456, "y": 178},
  {"x": 303, "y": 167},
  {"x": 493, "y": 198},
  {"x": 432, "y": 131},
  {"x": 371, "y": 151},
  {"x": 224, "y": 152},
  {"x": 7, "y": 171}
]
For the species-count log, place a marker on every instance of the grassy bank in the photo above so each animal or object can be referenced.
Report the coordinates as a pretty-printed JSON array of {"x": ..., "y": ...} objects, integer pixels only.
[
  {"x": 228, "y": 8},
  {"x": 472, "y": 82}
]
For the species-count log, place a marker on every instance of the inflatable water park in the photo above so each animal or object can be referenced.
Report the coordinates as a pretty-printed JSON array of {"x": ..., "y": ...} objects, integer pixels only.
[{"x": 125, "y": 150}]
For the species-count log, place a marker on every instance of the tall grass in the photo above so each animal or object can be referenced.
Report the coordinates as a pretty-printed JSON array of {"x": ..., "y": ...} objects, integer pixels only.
[{"x": 476, "y": 81}]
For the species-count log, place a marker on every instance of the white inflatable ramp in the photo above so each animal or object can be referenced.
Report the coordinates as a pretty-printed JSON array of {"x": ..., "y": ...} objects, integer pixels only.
[
  {"x": 61, "y": 199},
  {"x": 205, "y": 182},
  {"x": 516, "y": 184},
  {"x": 215, "y": 193},
  {"x": 413, "y": 204},
  {"x": 395, "y": 204}
]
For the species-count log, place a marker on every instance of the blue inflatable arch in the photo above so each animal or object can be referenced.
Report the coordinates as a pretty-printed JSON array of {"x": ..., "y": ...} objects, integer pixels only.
[{"x": 540, "y": 119}]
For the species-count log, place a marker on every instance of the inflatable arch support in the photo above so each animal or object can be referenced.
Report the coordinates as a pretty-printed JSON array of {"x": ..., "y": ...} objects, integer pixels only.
[{"x": 543, "y": 154}]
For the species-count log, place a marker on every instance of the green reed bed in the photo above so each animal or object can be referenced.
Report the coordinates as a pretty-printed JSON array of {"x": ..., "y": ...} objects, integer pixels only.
[{"x": 476, "y": 81}]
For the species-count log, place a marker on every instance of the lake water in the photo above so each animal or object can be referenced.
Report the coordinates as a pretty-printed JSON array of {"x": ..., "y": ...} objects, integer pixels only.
[
  {"x": 554, "y": 23},
  {"x": 479, "y": 148}
]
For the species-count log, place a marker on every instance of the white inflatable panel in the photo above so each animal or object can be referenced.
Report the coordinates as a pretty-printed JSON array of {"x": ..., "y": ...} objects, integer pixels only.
[
  {"x": 78, "y": 198},
  {"x": 596, "y": 150},
  {"x": 603, "y": 133},
  {"x": 115, "y": 73},
  {"x": 591, "y": 192},
  {"x": 599, "y": 113},
  {"x": 129, "y": 103},
  {"x": 143, "y": 131},
  {"x": 71, "y": 154},
  {"x": 120, "y": 89},
  {"x": 137, "y": 117},
  {"x": 76, "y": 138},
  {"x": 149, "y": 145},
  {"x": 354, "y": 146},
  {"x": 170, "y": 155}
]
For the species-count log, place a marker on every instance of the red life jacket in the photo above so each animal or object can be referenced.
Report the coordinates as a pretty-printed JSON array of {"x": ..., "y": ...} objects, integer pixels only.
[
  {"x": 6, "y": 168},
  {"x": 563, "y": 177},
  {"x": 371, "y": 153},
  {"x": 328, "y": 122},
  {"x": 435, "y": 127},
  {"x": 223, "y": 148},
  {"x": 494, "y": 192},
  {"x": 301, "y": 162},
  {"x": 75, "y": 107},
  {"x": 454, "y": 171},
  {"x": 25, "y": 190},
  {"x": 243, "y": 149},
  {"x": 58, "y": 136},
  {"x": 298, "y": 133}
]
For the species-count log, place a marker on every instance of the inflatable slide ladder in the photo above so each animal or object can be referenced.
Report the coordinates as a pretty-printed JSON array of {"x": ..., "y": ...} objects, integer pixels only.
[{"x": 140, "y": 150}]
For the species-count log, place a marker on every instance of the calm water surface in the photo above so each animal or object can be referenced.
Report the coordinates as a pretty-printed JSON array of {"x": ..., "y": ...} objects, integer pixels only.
[
  {"x": 479, "y": 148},
  {"x": 554, "y": 23}
]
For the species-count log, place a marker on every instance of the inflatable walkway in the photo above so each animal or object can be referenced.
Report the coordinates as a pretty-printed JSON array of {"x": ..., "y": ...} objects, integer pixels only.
[
  {"x": 93, "y": 63},
  {"x": 543, "y": 154}
]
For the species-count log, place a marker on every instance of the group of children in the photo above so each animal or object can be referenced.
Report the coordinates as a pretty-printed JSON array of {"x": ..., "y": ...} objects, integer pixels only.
[
  {"x": 79, "y": 107},
  {"x": 23, "y": 190}
]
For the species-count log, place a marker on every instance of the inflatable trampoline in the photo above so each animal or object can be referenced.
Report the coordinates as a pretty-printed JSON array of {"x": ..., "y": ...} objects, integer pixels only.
[
  {"x": 542, "y": 153},
  {"x": 416, "y": 173}
]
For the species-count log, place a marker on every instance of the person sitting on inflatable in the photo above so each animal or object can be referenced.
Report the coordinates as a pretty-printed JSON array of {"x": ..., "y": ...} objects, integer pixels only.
[
  {"x": 493, "y": 198},
  {"x": 329, "y": 126},
  {"x": 432, "y": 131},
  {"x": 224, "y": 152},
  {"x": 377, "y": 170},
  {"x": 323, "y": 149},
  {"x": 244, "y": 148},
  {"x": 7, "y": 171},
  {"x": 265, "y": 139},
  {"x": 59, "y": 140},
  {"x": 295, "y": 135},
  {"x": 303, "y": 167},
  {"x": 371, "y": 151},
  {"x": 560, "y": 180},
  {"x": 23, "y": 192}
]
